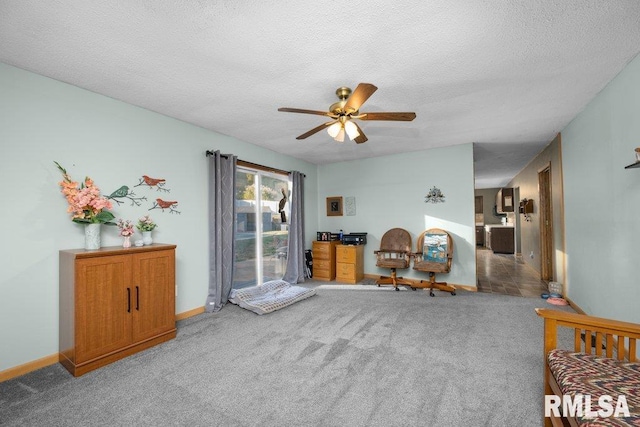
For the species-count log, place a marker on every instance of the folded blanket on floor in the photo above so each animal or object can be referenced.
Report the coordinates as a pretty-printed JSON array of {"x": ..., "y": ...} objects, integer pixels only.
[{"x": 271, "y": 296}]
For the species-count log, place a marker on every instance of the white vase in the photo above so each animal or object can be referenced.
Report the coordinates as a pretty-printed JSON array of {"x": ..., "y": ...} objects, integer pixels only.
[
  {"x": 146, "y": 238},
  {"x": 92, "y": 236}
]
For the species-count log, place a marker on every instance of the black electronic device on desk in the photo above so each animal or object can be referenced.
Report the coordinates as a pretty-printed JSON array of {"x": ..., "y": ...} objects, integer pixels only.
[{"x": 354, "y": 239}]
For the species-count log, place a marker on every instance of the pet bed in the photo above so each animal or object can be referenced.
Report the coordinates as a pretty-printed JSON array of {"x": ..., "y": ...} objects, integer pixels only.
[{"x": 271, "y": 296}]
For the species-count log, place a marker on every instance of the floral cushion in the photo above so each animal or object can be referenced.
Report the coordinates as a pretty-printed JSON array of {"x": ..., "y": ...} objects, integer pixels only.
[{"x": 586, "y": 374}]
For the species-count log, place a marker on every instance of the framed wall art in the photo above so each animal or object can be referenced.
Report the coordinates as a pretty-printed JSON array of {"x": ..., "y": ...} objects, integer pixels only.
[
  {"x": 334, "y": 206},
  {"x": 350, "y": 206}
]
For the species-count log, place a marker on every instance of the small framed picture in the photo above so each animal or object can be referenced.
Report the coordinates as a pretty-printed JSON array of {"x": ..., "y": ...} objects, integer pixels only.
[{"x": 334, "y": 206}]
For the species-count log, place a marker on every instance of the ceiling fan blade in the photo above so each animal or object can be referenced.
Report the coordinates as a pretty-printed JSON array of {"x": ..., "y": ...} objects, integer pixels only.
[
  {"x": 362, "y": 137},
  {"x": 359, "y": 96},
  {"x": 402, "y": 117},
  {"x": 299, "y": 110},
  {"x": 315, "y": 130}
]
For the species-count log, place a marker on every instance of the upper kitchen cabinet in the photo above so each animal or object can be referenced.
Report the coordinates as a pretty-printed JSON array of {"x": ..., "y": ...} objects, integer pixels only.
[
  {"x": 504, "y": 200},
  {"x": 478, "y": 203}
]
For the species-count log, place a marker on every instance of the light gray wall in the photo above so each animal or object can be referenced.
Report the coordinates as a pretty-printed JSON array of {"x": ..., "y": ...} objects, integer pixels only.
[
  {"x": 390, "y": 192},
  {"x": 529, "y": 232},
  {"x": 42, "y": 120},
  {"x": 602, "y": 200}
]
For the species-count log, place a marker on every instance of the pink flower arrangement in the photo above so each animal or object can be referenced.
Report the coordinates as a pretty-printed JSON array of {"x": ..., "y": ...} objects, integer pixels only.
[
  {"x": 126, "y": 227},
  {"x": 85, "y": 203}
]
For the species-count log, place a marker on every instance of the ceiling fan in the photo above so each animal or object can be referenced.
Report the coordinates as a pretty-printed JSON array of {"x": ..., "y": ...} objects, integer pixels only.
[{"x": 344, "y": 111}]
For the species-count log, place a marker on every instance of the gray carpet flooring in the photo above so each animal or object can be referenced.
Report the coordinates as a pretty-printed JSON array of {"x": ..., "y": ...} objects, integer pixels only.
[{"x": 349, "y": 356}]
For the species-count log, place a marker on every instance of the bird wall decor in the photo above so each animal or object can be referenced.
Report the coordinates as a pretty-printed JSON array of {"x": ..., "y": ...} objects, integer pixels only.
[
  {"x": 165, "y": 204},
  {"x": 125, "y": 192},
  {"x": 158, "y": 183}
]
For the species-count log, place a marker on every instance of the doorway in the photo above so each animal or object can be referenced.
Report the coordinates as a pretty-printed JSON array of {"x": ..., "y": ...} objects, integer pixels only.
[
  {"x": 546, "y": 224},
  {"x": 262, "y": 229}
]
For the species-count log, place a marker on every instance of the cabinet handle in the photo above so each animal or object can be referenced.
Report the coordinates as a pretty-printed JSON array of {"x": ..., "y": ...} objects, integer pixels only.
[
  {"x": 128, "y": 300},
  {"x": 138, "y": 298}
]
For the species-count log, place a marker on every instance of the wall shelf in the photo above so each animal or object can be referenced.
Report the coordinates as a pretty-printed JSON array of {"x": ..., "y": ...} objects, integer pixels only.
[{"x": 633, "y": 165}]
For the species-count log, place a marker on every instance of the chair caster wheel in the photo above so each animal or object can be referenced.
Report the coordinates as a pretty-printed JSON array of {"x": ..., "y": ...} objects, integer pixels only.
[
  {"x": 431, "y": 294},
  {"x": 413, "y": 289},
  {"x": 378, "y": 284},
  {"x": 453, "y": 293},
  {"x": 397, "y": 288}
]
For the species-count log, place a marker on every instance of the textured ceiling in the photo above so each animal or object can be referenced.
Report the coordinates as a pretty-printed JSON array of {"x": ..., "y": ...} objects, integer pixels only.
[{"x": 506, "y": 75}]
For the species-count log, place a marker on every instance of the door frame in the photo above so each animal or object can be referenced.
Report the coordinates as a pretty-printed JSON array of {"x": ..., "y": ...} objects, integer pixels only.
[{"x": 546, "y": 223}]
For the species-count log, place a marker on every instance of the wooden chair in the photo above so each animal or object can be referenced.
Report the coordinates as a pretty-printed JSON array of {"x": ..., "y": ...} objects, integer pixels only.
[
  {"x": 434, "y": 256},
  {"x": 394, "y": 253}
]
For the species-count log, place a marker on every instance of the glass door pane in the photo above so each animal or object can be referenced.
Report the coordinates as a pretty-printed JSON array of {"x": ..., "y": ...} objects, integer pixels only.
[
  {"x": 245, "y": 273},
  {"x": 275, "y": 226},
  {"x": 262, "y": 222}
]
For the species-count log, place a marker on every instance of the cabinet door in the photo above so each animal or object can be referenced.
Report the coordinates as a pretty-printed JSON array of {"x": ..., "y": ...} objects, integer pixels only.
[
  {"x": 153, "y": 288},
  {"x": 479, "y": 201},
  {"x": 103, "y": 318}
]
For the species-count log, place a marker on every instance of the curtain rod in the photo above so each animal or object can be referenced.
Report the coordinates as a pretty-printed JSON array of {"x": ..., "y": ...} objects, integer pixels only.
[{"x": 254, "y": 165}]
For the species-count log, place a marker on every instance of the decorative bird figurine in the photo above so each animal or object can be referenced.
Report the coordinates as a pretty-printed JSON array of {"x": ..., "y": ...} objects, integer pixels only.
[{"x": 283, "y": 201}]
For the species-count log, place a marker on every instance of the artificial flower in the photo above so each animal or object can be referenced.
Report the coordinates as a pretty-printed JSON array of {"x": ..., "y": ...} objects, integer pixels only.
[
  {"x": 126, "y": 227},
  {"x": 86, "y": 204},
  {"x": 145, "y": 223}
]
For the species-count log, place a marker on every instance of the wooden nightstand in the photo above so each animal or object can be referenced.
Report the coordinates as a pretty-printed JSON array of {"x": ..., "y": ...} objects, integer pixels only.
[
  {"x": 349, "y": 263},
  {"x": 324, "y": 260}
]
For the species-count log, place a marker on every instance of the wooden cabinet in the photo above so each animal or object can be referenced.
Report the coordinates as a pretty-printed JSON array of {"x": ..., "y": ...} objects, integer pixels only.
[
  {"x": 324, "y": 260},
  {"x": 503, "y": 240},
  {"x": 479, "y": 202},
  {"x": 349, "y": 263},
  {"x": 480, "y": 235},
  {"x": 114, "y": 302},
  {"x": 504, "y": 200}
]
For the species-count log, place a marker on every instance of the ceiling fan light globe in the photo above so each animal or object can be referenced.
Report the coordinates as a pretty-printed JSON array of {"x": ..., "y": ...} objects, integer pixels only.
[
  {"x": 340, "y": 136},
  {"x": 351, "y": 129},
  {"x": 334, "y": 129}
]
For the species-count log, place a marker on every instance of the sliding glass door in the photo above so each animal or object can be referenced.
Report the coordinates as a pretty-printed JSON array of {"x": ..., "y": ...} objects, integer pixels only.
[{"x": 262, "y": 228}]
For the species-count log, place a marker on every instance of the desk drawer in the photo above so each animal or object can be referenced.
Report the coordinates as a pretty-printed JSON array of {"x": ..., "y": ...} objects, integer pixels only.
[
  {"x": 346, "y": 254},
  {"x": 322, "y": 274},
  {"x": 321, "y": 251},
  {"x": 345, "y": 271},
  {"x": 321, "y": 264}
]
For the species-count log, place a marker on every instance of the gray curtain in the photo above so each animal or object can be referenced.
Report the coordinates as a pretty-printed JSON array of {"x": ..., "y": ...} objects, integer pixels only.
[
  {"x": 222, "y": 212},
  {"x": 295, "y": 254}
]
